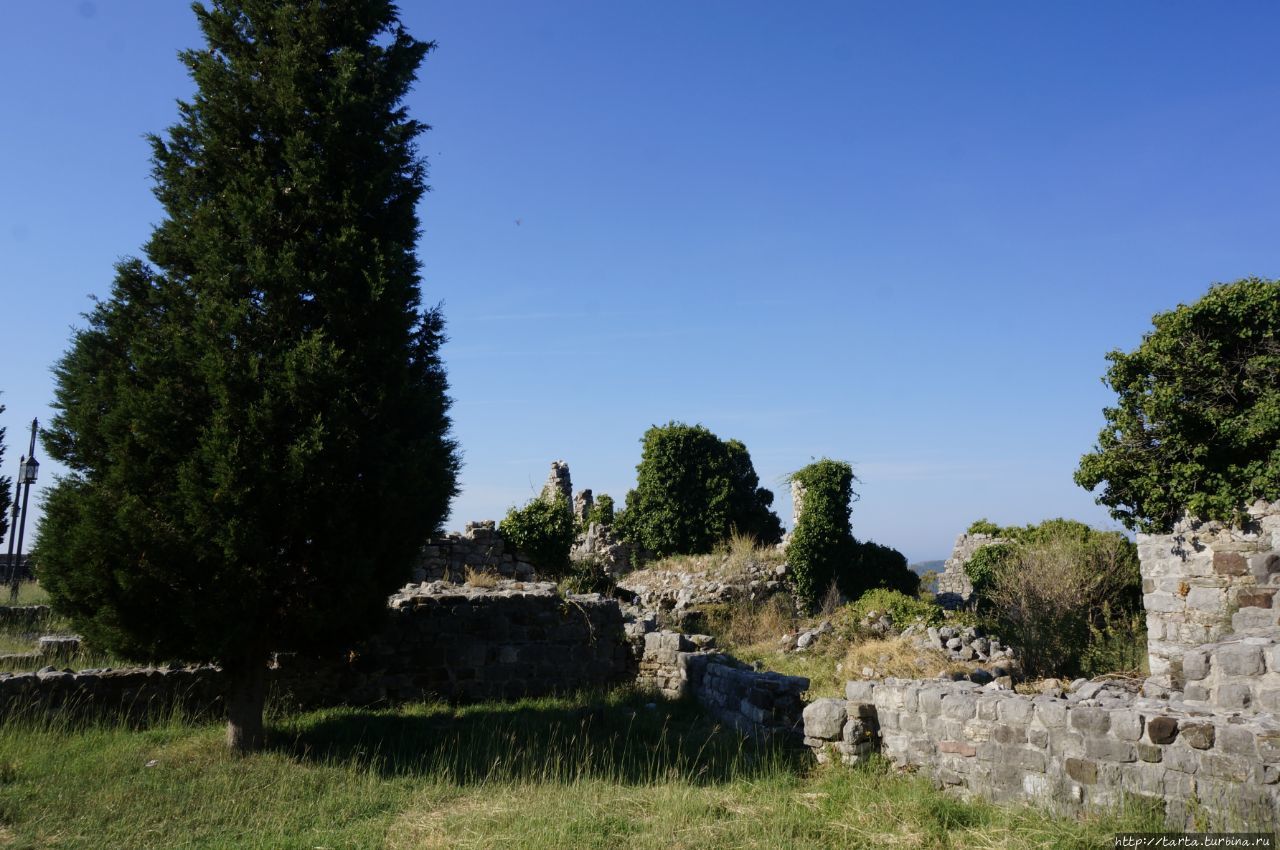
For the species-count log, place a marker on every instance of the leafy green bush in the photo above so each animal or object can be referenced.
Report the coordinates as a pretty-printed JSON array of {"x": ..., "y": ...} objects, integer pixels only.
[
  {"x": 544, "y": 530},
  {"x": 1196, "y": 426},
  {"x": 822, "y": 543},
  {"x": 901, "y": 608},
  {"x": 823, "y": 551},
  {"x": 692, "y": 491},
  {"x": 985, "y": 526},
  {"x": 601, "y": 512},
  {"x": 983, "y": 567}
]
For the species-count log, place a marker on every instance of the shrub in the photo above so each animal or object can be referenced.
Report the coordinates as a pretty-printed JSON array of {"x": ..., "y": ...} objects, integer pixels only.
[
  {"x": 1196, "y": 426},
  {"x": 901, "y": 608},
  {"x": 544, "y": 530},
  {"x": 601, "y": 513},
  {"x": 822, "y": 543},
  {"x": 983, "y": 567},
  {"x": 692, "y": 491},
  {"x": 985, "y": 526},
  {"x": 1061, "y": 590},
  {"x": 823, "y": 549},
  {"x": 589, "y": 576}
]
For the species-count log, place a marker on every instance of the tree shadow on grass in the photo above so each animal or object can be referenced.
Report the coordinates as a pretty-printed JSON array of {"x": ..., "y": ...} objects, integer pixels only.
[{"x": 626, "y": 740}]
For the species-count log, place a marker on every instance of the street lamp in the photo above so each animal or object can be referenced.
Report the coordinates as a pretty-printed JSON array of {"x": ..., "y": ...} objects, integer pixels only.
[{"x": 28, "y": 469}]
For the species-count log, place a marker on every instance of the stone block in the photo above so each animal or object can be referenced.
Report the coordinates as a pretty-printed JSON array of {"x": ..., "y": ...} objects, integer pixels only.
[
  {"x": 1082, "y": 771},
  {"x": 1126, "y": 725},
  {"x": 1239, "y": 659},
  {"x": 1230, "y": 564},
  {"x": 825, "y": 718},
  {"x": 859, "y": 691},
  {"x": 1162, "y": 730},
  {"x": 1091, "y": 721},
  {"x": 1237, "y": 740},
  {"x": 1150, "y": 752},
  {"x": 1254, "y": 597},
  {"x": 1210, "y": 600},
  {"x": 1038, "y": 737},
  {"x": 1109, "y": 749},
  {"x": 1050, "y": 712},
  {"x": 960, "y": 748},
  {"x": 1016, "y": 710},
  {"x": 1235, "y": 695},
  {"x": 1197, "y": 735},
  {"x": 1005, "y": 734},
  {"x": 1195, "y": 665},
  {"x": 959, "y": 706},
  {"x": 1268, "y": 744}
]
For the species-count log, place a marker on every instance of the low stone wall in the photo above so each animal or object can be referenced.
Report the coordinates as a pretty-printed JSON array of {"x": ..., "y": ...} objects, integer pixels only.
[
  {"x": 441, "y": 641},
  {"x": 27, "y": 617},
  {"x": 1084, "y": 752},
  {"x": 136, "y": 693},
  {"x": 1206, "y": 581},
  {"x": 479, "y": 547},
  {"x": 755, "y": 703}
]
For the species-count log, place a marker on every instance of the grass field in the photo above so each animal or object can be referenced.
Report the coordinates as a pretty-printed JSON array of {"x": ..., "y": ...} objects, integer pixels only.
[{"x": 592, "y": 772}]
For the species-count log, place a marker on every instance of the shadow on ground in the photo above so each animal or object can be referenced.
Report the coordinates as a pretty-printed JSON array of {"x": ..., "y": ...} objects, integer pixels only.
[{"x": 629, "y": 740}]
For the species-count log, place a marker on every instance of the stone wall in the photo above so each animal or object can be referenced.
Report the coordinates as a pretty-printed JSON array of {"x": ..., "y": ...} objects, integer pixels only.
[
  {"x": 25, "y": 617},
  {"x": 1206, "y": 581},
  {"x": 755, "y": 703},
  {"x": 441, "y": 641},
  {"x": 480, "y": 547},
  {"x": 1087, "y": 751},
  {"x": 954, "y": 587}
]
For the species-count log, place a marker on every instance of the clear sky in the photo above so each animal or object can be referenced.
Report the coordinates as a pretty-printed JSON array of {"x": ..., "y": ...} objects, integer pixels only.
[{"x": 900, "y": 234}]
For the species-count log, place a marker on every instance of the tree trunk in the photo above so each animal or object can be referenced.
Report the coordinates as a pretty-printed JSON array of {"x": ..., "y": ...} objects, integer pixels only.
[{"x": 246, "y": 694}]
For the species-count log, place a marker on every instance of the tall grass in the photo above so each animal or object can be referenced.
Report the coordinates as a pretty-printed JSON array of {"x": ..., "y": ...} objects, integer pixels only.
[{"x": 599, "y": 771}]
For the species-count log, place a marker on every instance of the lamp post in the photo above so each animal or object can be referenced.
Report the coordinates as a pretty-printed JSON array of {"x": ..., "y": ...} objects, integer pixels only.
[{"x": 28, "y": 469}]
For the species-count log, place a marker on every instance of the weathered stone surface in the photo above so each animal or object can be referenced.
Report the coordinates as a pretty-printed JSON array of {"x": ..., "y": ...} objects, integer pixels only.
[
  {"x": 825, "y": 718},
  {"x": 1198, "y": 735},
  {"x": 1162, "y": 730},
  {"x": 1082, "y": 771}
]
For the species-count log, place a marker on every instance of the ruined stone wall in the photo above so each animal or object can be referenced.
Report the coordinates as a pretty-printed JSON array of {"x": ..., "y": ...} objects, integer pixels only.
[
  {"x": 479, "y": 547},
  {"x": 441, "y": 641},
  {"x": 1205, "y": 582},
  {"x": 1067, "y": 754},
  {"x": 26, "y": 617},
  {"x": 954, "y": 587},
  {"x": 755, "y": 703}
]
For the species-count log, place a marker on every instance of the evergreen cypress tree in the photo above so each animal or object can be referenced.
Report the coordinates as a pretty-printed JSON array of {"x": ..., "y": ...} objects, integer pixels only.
[
  {"x": 256, "y": 420},
  {"x": 6, "y": 483}
]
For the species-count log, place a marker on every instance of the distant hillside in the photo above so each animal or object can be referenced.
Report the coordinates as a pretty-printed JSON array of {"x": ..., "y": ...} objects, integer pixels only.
[{"x": 922, "y": 567}]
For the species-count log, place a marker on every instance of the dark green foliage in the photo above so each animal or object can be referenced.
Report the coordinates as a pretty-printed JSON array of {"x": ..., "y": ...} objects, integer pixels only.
[
  {"x": 901, "y": 608},
  {"x": 983, "y": 568},
  {"x": 823, "y": 551},
  {"x": 256, "y": 421},
  {"x": 692, "y": 491},
  {"x": 875, "y": 565},
  {"x": 822, "y": 544},
  {"x": 544, "y": 530},
  {"x": 601, "y": 512},
  {"x": 984, "y": 526},
  {"x": 1196, "y": 426},
  {"x": 6, "y": 490}
]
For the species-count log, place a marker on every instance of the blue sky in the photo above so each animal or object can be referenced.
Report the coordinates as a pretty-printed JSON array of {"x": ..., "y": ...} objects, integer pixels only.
[{"x": 901, "y": 234}]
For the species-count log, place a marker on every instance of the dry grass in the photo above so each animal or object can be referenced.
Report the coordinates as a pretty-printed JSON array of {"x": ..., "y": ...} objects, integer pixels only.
[
  {"x": 481, "y": 577},
  {"x": 899, "y": 657},
  {"x": 756, "y": 626}
]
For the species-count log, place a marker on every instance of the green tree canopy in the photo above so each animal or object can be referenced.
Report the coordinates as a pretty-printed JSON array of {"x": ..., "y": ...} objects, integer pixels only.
[
  {"x": 1196, "y": 427},
  {"x": 692, "y": 491},
  {"x": 256, "y": 420}
]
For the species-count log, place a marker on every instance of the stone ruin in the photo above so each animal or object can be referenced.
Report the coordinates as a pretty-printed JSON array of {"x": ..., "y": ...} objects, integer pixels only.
[
  {"x": 1200, "y": 738},
  {"x": 954, "y": 586}
]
